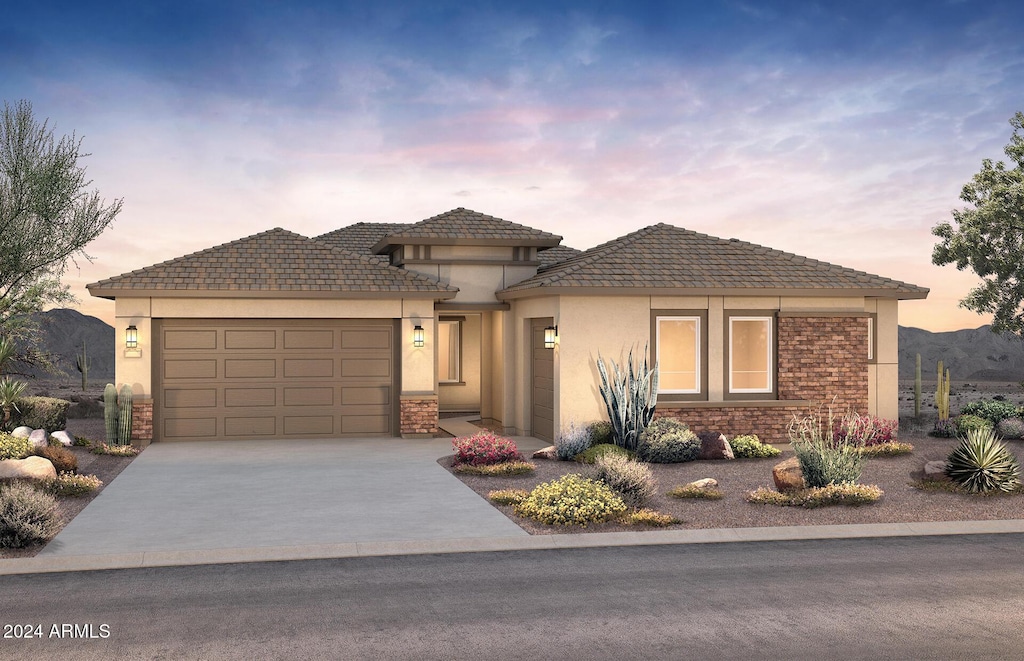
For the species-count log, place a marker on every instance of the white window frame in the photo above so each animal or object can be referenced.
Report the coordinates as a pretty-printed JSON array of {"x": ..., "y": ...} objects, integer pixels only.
[
  {"x": 771, "y": 366},
  {"x": 696, "y": 349},
  {"x": 871, "y": 339},
  {"x": 455, "y": 350}
]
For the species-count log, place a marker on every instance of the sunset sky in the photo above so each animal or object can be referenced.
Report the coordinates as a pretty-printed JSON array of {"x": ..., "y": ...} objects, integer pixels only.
[{"x": 839, "y": 131}]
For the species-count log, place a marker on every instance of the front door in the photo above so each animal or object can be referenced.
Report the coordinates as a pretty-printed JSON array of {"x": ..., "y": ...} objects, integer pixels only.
[{"x": 543, "y": 382}]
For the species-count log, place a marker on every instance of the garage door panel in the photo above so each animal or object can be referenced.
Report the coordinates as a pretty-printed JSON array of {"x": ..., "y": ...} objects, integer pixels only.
[
  {"x": 313, "y": 425},
  {"x": 309, "y": 396},
  {"x": 304, "y": 339},
  {"x": 365, "y": 395},
  {"x": 190, "y": 428},
  {"x": 305, "y": 368},
  {"x": 181, "y": 398},
  {"x": 358, "y": 368},
  {"x": 190, "y": 369},
  {"x": 365, "y": 339},
  {"x": 190, "y": 339},
  {"x": 365, "y": 424},
  {"x": 250, "y": 368},
  {"x": 250, "y": 339},
  {"x": 246, "y": 427},
  {"x": 239, "y": 397}
]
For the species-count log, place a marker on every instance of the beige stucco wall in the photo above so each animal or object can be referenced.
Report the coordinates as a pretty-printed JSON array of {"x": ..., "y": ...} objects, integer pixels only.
[
  {"x": 131, "y": 369},
  {"x": 417, "y": 368},
  {"x": 886, "y": 357},
  {"x": 518, "y": 396},
  {"x": 465, "y": 396}
]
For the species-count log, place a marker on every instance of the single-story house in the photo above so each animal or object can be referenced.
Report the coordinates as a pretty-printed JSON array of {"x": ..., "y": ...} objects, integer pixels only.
[{"x": 375, "y": 329}]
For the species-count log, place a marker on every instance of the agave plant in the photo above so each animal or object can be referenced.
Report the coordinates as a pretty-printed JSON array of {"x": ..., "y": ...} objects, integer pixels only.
[
  {"x": 981, "y": 463},
  {"x": 10, "y": 392},
  {"x": 630, "y": 396}
]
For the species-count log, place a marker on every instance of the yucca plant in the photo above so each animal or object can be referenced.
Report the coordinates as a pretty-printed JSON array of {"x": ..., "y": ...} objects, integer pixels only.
[
  {"x": 630, "y": 396},
  {"x": 982, "y": 463},
  {"x": 10, "y": 392}
]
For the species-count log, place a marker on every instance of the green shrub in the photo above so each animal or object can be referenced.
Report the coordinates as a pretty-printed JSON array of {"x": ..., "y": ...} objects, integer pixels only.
[
  {"x": 82, "y": 442},
  {"x": 12, "y": 447},
  {"x": 890, "y": 449},
  {"x": 646, "y": 517},
  {"x": 600, "y": 432},
  {"x": 981, "y": 463},
  {"x": 1012, "y": 428},
  {"x": 668, "y": 441},
  {"x": 507, "y": 496},
  {"x": 571, "y": 442},
  {"x": 497, "y": 470},
  {"x": 766, "y": 496},
  {"x": 749, "y": 446},
  {"x": 71, "y": 485},
  {"x": 591, "y": 454},
  {"x": 27, "y": 515},
  {"x": 116, "y": 450},
  {"x": 63, "y": 460},
  {"x": 824, "y": 459},
  {"x": 990, "y": 409},
  {"x": 630, "y": 479},
  {"x": 689, "y": 491},
  {"x": 944, "y": 429},
  {"x": 47, "y": 413},
  {"x": 832, "y": 494},
  {"x": 968, "y": 423},
  {"x": 571, "y": 500}
]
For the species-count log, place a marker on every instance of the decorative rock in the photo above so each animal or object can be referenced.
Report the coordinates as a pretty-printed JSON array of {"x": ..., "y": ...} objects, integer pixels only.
[
  {"x": 38, "y": 437},
  {"x": 33, "y": 468},
  {"x": 64, "y": 438},
  {"x": 21, "y": 432},
  {"x": 714, "y": 446},
  {"x": 935, "y": 470},
  {"x": 787, "y": 475},
  {"x": 705, "y": 483},
  {"x": 546, "y": 453}
]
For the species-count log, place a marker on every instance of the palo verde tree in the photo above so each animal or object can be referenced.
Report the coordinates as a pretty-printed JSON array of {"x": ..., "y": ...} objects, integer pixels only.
[
  {"x": 47, "y": 217},
  {"x": 989, "y": 237}
]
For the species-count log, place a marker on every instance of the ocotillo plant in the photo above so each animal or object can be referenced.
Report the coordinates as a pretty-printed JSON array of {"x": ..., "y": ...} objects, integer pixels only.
[
  {"x": 110, "y": 412},
  {"x": 124, "y": 425},
  {"x": 917, "y": 388},
  {"x": 942, "y": 394},
  {"x": 82, "y": 363}
]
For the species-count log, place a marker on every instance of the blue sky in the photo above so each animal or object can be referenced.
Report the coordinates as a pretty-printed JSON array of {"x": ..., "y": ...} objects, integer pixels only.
[{"x": 840, "y": 131}]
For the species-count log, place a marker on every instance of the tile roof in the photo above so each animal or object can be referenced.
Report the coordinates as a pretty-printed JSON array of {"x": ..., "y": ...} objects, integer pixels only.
[
  {"x": 274, "y": 261},
  {"x": 468, "y": 227},
  {"x": 552, "y": 256},
  {"x": 361, "y": 237},
  {"x": 667, "y": 257}
]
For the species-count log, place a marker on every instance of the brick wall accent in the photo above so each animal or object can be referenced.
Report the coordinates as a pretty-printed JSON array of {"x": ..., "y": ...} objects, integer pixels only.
[
  {"x": 142, "y": 422},
  {"x": 818, "y": 358},
  {"x": 418, "y": 415}
]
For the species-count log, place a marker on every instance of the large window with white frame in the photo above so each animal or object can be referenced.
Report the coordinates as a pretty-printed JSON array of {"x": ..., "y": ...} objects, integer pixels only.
[
  {"x": 678, "y": 351},
  {"x": 449, "y": 351},
  {"x": 750, "y": 348}
]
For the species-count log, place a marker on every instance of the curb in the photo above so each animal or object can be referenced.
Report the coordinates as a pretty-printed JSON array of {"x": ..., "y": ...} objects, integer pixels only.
[{"x": 47, "y": 565}]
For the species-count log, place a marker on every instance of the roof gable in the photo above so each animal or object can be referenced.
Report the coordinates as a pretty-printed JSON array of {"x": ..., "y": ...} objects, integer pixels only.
[{"x": 466, "y": 227}]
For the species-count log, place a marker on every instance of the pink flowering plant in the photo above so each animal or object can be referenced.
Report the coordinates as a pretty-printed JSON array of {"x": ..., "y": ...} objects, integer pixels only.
[
  {"x": 865, "y": 430},
  {"x": 485, "y": 448}
]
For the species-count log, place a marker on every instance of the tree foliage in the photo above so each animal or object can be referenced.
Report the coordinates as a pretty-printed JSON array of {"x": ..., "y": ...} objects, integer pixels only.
[
  {"x": 989, "y": 237},
  {"x": 47, "y": 217}
]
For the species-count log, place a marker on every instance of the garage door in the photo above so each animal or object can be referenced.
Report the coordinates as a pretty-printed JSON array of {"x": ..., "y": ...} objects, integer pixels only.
[{"x": 282, "y": 378}]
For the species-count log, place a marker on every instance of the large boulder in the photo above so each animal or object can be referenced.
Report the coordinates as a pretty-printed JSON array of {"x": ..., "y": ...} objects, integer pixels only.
[
  {"x": 22, "y": 432},
  {"x": 39, "y": 438},
  {"x": 63, "y": 438},
  {"x": 32, "y": 468},
  {"x": 714, "y": 446},
  {"x": 546, "y": 453},
  {"x": 788, "y": 476}
]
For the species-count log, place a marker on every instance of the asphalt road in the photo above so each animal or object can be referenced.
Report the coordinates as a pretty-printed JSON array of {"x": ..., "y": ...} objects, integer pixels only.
[{"x": 897, "y": 598}]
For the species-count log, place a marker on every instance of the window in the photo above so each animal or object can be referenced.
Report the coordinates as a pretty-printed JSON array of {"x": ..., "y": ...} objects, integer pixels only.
[
  {"x": 449, "y": 350},
  {"x": 750, "y": 355},
  {"x": 678, "y": 352}
]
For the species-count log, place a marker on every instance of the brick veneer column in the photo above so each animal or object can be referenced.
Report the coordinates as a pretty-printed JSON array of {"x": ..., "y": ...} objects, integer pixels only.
[
  {"x": 824, "y": 357},
  {"x": 418, "y": 415},
  {"x": 142, "y": 422}
]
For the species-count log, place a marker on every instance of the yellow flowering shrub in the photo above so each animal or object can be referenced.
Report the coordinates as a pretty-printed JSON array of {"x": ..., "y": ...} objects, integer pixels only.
[{"x": 571, "y": 500}]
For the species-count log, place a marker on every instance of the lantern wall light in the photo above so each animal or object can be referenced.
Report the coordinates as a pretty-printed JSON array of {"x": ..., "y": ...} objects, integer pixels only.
[
  {"x": 550, "y": 333},
  {"x": 131, "y": 337},
  {"x": 417, "y": 336}
]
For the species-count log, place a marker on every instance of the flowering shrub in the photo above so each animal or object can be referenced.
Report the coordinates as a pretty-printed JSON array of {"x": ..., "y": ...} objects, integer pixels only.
[
  {"x": 865, "y": 430},
  {"x": 630, "y": 479},
  {"x": 945, "y": 428},
  {"x": 571, "y": 500},
  {"x": 71, "y": 485},
  {"x": 12, "y": 447},
  {"x": 1012, "y": 428},
  {"x": 504, "y": 469},
  {"x": 595, "y": 452},
  {"x": 116, "y": 450},
  {"x": 572, "y": 441},
  {"x": 484, "y": 448},
  {"x": 646, "y": 517},
  {"x": 749, "y": 446}
]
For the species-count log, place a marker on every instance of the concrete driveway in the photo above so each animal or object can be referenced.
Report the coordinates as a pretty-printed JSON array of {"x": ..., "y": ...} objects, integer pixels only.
[{"x": 247, "y": 494}]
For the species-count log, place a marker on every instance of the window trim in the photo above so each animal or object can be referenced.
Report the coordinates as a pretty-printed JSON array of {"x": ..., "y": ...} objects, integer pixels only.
[
  {"x": 872, "y": 338},
  {"x": 457, "y": 321},
  {"x": 773, "y": 354},
  {"x": 702, "y": 356}
]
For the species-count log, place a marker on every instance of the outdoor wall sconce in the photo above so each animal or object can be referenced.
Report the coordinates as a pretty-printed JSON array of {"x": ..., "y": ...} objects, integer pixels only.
[
  {"x": 131, "y": 338},
  {"x": 417, "y": 336},
  {"x": 550, "y": 333}
]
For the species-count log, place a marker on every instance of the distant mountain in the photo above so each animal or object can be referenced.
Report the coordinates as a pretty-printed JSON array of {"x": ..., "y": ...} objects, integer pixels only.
[
  {"x": 971, "y": 354},
  {"x": 64, "y": 330}
]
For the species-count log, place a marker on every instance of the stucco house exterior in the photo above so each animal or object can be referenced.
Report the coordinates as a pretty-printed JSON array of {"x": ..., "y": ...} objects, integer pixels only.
[{"x": 376, "y": 328}]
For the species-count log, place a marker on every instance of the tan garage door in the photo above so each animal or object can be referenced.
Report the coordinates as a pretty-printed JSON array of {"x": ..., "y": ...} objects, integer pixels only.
[{"x": 276, "y": 378}]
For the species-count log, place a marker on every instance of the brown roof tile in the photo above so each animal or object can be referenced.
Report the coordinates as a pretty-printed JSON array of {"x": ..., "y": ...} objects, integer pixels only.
[
  {"x": 360, "y": 237},
  {"x": 468, "y": 227},
  {"x": 552, "y": 256}
]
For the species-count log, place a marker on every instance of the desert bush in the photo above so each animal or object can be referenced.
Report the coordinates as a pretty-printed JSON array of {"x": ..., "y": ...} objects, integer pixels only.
[
  {"x": 12, "y": 447},
  {"x": 71, "y": 485},
  {"x": 891, "y": 449},
  {"x": 990, "y": 409},
  {"x": 967, "y": 423},
  {"x": 689, "y": 491},
  {"x": 507, "y": 496},
  {"x": 667, "y": 441},
  {"x": 483, "y": 448},
  {"x": 571, "y": 500},
  {"x": 82, "y": 442},
  {"x": 832, "y": 494},
  {"x": 504, "y": 469},
  {"x": 981, "y": 463},
  {"x": 944, "y": 428},
  {"x": 864, "y": 430},
  {"x": 823, "y": 459},
  {"x": 646, "y": 517},
  {"x": 1012, "y": 428},
  {"x": 601, "y": 432},
  {"x": 571, "y": 442},
  {"x": 47, "y": 413},
  {"x": 749, "y": 446},
  {"x": 27, "y": 515},
  {"x": 116, "y": 450},
  {"x": 63, "y": 460},
  {"x": 630, "y": 479},
  {"x": 595, "y": 452}
]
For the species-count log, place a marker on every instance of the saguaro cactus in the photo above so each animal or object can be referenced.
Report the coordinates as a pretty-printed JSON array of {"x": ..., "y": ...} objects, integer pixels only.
[
  {"x": 82, "y": 363},
  {"x": 110, "y": 412},
  {"x": 942, "y": 394},
  {"x": 124, "y": 403},
  {"x": 917, "y": 388}
]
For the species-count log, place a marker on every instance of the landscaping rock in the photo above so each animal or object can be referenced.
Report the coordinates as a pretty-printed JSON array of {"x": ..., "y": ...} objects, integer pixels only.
[
  {"x": 63, "y": 437},
  {"x": 33, "y": 468},
  {"x": 38, "y": 437},
  {"x": 705, "y": 483},
  {"x": 546, "y": 453},
  {"x": 714, "y": 446},
  {"x": 21, "y": 432},
  {"x": 787, "y": 475},
  {"x": 935, "y": 470}
]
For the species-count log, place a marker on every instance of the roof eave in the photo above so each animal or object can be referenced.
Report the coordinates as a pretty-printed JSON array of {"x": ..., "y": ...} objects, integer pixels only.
[
  {"x": 388, "y": 242},
  {"x": 113, "y": 293},
  {"x": 541, "y": 290}
]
